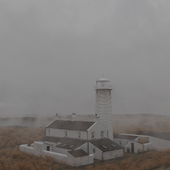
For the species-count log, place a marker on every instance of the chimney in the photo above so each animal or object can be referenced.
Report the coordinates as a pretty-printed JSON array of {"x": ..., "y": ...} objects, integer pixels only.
[
  {"x": 97, "y": 118},
  {"x": 56, "y": 116},
  {"x": 73, "y": 117}
]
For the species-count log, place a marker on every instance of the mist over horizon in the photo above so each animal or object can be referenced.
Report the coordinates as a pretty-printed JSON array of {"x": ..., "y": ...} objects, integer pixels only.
[{"x": 52, "y": 52}]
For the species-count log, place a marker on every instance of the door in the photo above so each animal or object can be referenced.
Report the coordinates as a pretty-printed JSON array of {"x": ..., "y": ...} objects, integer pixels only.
[
  {"x": 48, "y": 148},
  {"x": 132, "y": 147}
]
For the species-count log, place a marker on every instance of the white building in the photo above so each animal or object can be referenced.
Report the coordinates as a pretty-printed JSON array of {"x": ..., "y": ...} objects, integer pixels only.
[
  {"x": 75, "y": 142},
  {"x": 78, "y": 143},
  {"x": 145, "y": 141},
  {"x": 133, "y": 143}
]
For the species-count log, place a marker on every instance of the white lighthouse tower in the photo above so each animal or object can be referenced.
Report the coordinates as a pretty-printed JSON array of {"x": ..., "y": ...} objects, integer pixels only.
[{"x": 103, "y": 89}]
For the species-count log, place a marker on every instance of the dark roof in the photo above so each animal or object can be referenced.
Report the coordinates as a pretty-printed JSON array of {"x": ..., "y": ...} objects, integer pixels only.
[
  {"x": 71, "y": 125},
  {"x": 78, "y": 153},
  {"x": 128, "y": 137},
  {"x": 161, "y": 135},
  {"x": 51, "y": 139},
  {"x": 105, "y": 144},
  {"x": 66, "y": 143}
]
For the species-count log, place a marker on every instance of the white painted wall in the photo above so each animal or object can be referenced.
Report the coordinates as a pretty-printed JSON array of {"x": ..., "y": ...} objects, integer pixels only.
[
  {"x": 38, "y": 149},
  {"x": 98, "y": 152},
  {"x": 61, "y": 133},
  {"x": 158, "y": 144},
  {"x": 138, "y": 147},
  {"x": 97, "y": 128},
  {"x": 80, "y": 161},
  {"x": 26, "y": 148},
  {"x": 122, "y": 142},
  {"x": 112, "y": 154},
  {"x": 100, "y": 155},
  {"x": 83, "y": 147},
  {"x": 58, "y": 157}
]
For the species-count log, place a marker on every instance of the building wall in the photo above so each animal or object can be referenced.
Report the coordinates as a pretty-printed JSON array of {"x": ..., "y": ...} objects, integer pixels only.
[
  {"x": 158, "y": 144},
  {"x": 83, "y": 147},
  {"x": 97, "y": 154},
  {"x": 58, "y": 157},
  {"x": 100, "y": 155},
  {"x": 97, "y": 128},
  {"x": 122, "y": 142},
  {"x": 80, "y": 161},
  {"x": 138, "y": 147},
  {"x": 70, "y": 133},
  {"x": 112, "y": 154},
  {"x": 51, "y": 145}
]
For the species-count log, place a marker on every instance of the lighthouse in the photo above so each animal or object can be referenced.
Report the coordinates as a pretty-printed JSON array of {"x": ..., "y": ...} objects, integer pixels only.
[{"x": 103, "y": 108}]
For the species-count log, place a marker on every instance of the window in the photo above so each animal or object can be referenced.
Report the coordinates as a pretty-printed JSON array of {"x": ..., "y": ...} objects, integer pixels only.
[
  {"x": 102, "y": 134},
  {"x": 93, "y": 150},
  {"x": 48, "y": 148},
  {"x": 65, "y": 133},
  {"x": 113, "y": 145},
  {"x": 79, "y": 134},
  {"x": 126, "y": 142},
  {"x": 105, "y": 147},
  {"x": 120, "y": 142},
  {"x": 92, "y": 135}
]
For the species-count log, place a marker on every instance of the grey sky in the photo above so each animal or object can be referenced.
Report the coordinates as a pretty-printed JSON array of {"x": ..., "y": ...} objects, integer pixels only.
[{"x": 51, "y": 53}]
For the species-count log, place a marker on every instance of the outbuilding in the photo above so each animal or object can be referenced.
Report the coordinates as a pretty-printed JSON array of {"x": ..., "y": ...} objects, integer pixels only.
[{"x": 104, "y": 149}]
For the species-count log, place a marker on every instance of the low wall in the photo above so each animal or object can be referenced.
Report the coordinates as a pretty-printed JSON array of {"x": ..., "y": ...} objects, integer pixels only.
[
  {"x": 38, "y": 150},
  {"x": 58, "y": 157},
  {"x": 27, "y": 149}
]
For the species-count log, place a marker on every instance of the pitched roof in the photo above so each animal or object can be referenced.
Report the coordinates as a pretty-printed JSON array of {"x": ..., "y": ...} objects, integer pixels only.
[
  {"x": 128, "y": 137},
  {"x": 65, "y": 143},
  {"x": 105, "y": 144},
  {"x": 78, "y": 153},
  {"x": 71, "y": 125},
  {"x": 51, "y": 139},
  {"x": 161, "y": 135}
]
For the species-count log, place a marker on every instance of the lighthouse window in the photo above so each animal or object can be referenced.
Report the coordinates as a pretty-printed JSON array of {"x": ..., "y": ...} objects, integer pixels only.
[{"x": 92, "y": 135}]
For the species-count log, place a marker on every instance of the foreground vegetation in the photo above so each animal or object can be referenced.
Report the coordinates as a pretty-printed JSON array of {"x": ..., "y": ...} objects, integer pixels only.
[{"x": 13, "y": 159}]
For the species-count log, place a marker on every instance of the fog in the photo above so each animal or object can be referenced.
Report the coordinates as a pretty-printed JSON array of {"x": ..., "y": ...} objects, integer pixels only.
[{"x": 52, "y": 52}]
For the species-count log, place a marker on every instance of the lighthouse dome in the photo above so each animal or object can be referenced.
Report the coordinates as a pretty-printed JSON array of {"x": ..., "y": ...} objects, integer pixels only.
[{"x": 103, "y": 80}]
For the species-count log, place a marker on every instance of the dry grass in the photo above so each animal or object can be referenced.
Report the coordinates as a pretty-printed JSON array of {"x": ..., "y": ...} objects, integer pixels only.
[
  {"x": 13, "y": 159},
  {"x": 146, "y": 161}
]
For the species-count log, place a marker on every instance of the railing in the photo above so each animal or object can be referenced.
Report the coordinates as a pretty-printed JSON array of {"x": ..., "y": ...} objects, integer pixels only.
[{"x": 99, "y": 86}]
